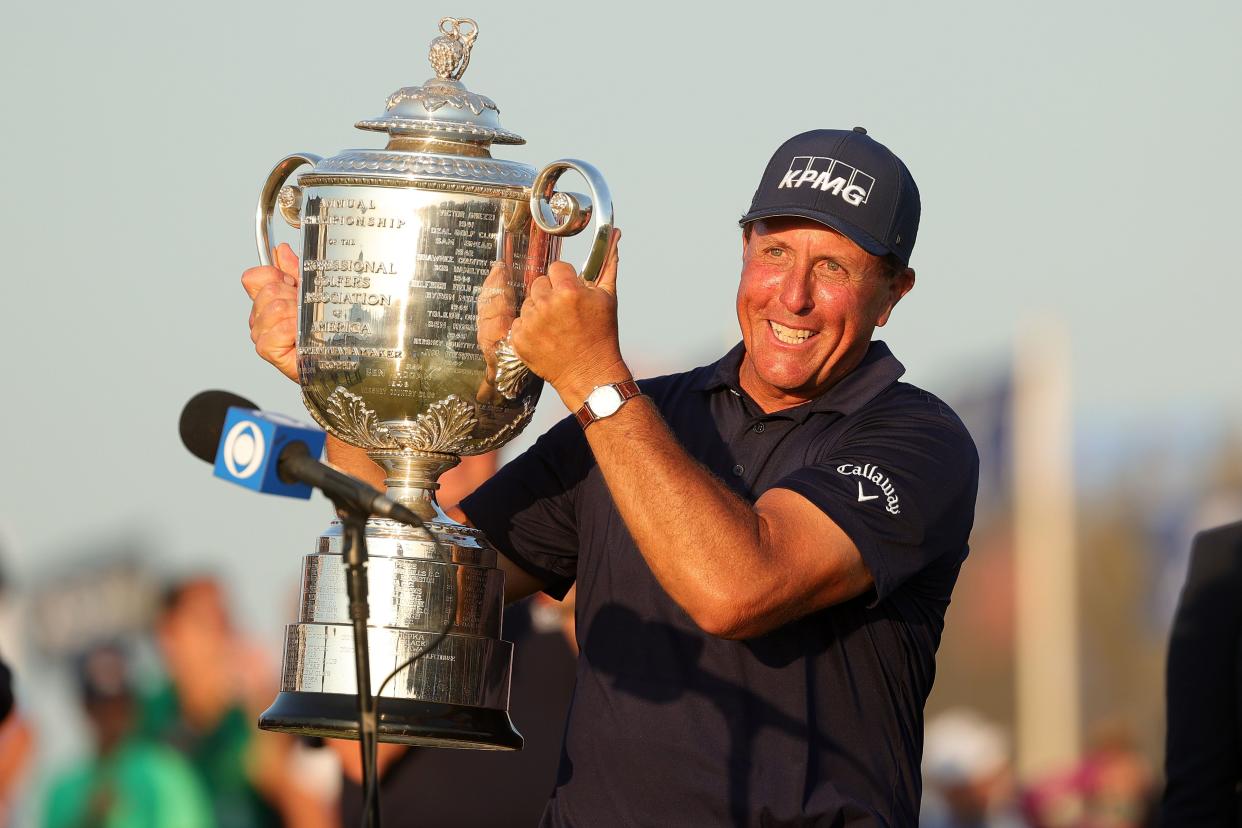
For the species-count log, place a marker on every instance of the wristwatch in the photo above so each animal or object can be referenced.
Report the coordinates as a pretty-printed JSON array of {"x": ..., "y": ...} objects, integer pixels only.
[{"x": 605, "y": 401}]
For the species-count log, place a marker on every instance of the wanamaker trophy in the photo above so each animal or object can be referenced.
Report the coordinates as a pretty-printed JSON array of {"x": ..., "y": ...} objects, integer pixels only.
[{"x": 415, "y": 261}]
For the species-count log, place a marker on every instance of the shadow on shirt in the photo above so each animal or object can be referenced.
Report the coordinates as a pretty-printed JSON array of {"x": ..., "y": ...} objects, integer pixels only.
[{"x": 659, "y": 663}]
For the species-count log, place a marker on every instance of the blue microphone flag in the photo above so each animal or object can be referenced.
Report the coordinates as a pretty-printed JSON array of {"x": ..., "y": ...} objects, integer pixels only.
[{"x": 250, "y": 447}]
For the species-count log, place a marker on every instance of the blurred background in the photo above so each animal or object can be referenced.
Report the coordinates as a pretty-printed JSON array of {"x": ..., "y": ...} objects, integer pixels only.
[{"x": 1078, "y": 169}]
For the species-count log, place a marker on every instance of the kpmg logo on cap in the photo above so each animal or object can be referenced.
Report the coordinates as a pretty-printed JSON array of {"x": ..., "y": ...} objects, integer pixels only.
[{"x": 852, "y": 185}]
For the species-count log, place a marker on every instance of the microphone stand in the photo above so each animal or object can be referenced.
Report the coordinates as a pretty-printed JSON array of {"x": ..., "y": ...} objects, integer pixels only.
[{"x": 354, "y": 520}]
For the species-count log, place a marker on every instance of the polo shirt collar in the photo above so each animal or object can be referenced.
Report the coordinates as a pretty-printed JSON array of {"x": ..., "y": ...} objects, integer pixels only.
[{"x": 878, "y": 370}]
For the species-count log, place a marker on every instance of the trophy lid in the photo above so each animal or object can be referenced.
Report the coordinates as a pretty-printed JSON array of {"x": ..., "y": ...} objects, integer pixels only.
[{"x": 443, "y": 107}]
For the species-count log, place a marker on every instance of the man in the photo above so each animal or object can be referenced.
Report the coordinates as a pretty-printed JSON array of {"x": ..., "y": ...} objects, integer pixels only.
[{"x": 764, "y": 547}]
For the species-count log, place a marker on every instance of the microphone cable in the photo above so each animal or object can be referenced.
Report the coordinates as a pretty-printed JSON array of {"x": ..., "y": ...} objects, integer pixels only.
[{"x": 370, "y": 796}]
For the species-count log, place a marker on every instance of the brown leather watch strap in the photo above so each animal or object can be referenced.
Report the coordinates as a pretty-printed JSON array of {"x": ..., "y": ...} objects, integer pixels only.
[{"x": 627, "y": 389}]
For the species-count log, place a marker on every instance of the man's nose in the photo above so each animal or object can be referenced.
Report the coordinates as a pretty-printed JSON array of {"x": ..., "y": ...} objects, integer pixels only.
[{"x": 796, "y": 293}]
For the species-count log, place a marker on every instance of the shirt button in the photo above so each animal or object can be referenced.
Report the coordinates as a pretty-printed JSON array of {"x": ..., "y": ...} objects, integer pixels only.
[
  {"x": 760, "y": 428},
  {"x": 739, "y": 469}
]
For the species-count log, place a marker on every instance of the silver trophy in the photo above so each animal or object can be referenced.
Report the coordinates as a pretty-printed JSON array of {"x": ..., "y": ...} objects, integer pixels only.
[{"x": 415, "y": 261}]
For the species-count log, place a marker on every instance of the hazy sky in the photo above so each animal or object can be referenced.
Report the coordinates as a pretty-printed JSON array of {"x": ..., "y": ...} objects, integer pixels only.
[{"x": 1076, "y": 161}]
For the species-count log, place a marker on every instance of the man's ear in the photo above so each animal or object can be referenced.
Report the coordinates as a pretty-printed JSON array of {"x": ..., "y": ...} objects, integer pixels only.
[{"x": 901, "y": 284}]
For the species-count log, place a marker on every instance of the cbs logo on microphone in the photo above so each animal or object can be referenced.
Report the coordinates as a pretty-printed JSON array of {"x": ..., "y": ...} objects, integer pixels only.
[
  {"x": 243, "y": 449},
  {"x": 250, "y": 446}
]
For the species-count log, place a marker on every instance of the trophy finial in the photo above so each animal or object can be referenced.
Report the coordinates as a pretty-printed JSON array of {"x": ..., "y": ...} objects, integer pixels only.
[
  {"x": 442, "y": 108},
  {"x": 450, "y": 52}
]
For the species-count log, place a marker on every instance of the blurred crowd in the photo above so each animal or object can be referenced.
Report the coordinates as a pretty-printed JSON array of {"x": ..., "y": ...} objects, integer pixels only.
[
  {"x": 178, "y": 749},
  {"x": 184, "y": 751},
  {"x": 969, "y": 781}
]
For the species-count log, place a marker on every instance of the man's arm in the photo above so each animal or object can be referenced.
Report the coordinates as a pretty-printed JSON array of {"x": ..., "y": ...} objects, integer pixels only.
[
  {"x": 352, "y": 460},
  {"x": 519, "y": 583},
  {"x": 738, "y": 570}
]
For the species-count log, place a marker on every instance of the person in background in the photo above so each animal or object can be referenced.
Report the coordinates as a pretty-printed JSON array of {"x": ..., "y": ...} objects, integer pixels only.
[
  {"x": 967, "y": 776},
  {"x": 130, "y": 782},
  {"x": 217, "y": 685},
  {"x": 6, "y": 692},
  {"x": 16, "y": 735},
  {"x": 447, "y": 788},
  {"x": 16, "y": 745},
  {"x": 1110, "y": 787},
  {"x": 439, "y": 787}
]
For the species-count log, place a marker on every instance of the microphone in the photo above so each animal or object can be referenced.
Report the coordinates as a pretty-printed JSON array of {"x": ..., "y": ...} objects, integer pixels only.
[{"x": 274, "y": 454}]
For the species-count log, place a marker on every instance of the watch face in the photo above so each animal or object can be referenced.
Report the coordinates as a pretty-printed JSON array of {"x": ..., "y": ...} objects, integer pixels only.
[{"x": 604, "y": 401}]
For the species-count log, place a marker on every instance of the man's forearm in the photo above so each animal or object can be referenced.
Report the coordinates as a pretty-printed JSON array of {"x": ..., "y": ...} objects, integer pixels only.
[
  {"x": 353, "y": 460},
  {"x": 703, "y": 543}
]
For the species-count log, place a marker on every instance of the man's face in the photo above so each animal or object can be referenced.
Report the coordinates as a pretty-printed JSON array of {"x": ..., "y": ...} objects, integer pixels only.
[{"x": 808, "y": 302}]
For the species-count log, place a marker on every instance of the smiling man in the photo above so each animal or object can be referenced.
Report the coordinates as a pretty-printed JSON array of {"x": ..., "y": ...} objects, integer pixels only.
[{"x": 764, "y": 547}]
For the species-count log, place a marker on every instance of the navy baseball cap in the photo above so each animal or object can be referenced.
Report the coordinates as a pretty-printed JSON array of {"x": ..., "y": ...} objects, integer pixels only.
[{"x": 847, "y": 180}]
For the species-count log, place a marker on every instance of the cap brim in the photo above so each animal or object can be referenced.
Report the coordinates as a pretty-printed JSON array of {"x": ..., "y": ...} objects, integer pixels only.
[{"x": 855, "y": 234}]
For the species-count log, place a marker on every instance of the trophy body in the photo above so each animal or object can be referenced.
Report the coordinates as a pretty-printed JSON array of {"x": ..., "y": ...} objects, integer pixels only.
[{"x": 415, "y": 261}]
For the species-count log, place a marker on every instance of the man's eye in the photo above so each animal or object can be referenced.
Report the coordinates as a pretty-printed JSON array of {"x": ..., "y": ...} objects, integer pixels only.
[
  {"x": 833, "y": 266},
  {"x": 776, "y": 251}
]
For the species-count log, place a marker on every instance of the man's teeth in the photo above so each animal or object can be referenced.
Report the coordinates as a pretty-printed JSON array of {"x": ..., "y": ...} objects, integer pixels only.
[{"x": 789, "y": 336}]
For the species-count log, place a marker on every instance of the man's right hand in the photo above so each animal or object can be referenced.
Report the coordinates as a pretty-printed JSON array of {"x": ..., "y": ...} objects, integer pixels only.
[{"x": 274, "y": 317}]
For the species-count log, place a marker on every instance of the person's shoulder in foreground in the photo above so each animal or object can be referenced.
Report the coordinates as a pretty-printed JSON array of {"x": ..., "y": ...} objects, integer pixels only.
[{"x": 1203, "y": 752}]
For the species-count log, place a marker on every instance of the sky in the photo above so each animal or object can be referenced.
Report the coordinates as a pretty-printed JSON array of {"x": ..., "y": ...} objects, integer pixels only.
[{"x": 1077, "y": 163}]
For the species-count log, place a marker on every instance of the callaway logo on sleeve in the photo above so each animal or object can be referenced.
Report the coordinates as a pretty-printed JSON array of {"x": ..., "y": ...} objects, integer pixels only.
[{"x": 872, "y": 473}]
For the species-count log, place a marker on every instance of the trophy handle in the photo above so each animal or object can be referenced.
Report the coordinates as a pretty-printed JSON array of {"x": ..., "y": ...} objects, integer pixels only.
[
  {"x": 575, "y": 212},
  {"x": 290, "y": 199}
]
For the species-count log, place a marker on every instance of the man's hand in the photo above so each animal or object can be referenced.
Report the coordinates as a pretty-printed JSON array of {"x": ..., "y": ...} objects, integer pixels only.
[
  {"x": 496, "y": 309},
  {"x": 274, "y": 317},
  {"x": 567, "y": 330}
]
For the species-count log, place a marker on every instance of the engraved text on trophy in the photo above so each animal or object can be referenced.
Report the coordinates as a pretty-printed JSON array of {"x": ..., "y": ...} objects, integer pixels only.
[{"x": 403, "y": 297}]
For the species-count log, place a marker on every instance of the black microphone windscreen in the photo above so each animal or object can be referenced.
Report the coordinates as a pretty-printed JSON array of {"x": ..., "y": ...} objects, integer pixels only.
[{"x": 202, "y": 421}]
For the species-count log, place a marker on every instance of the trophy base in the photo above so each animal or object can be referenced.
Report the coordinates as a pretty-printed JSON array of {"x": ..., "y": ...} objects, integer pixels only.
[{"x": 402, "y": 721}]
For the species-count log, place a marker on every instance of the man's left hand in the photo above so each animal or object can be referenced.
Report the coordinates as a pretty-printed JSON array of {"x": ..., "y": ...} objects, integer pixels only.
[{"x": 567, "y": 330}]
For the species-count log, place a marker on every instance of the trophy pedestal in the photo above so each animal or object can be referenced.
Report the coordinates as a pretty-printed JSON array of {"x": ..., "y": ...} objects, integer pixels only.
[
  {"x": 434, "y": 623},
  {"x": 404, "y": 721}
]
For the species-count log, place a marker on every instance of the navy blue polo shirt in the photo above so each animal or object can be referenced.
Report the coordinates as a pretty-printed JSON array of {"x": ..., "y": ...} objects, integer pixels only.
[{"x": 819, "y": 722}]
